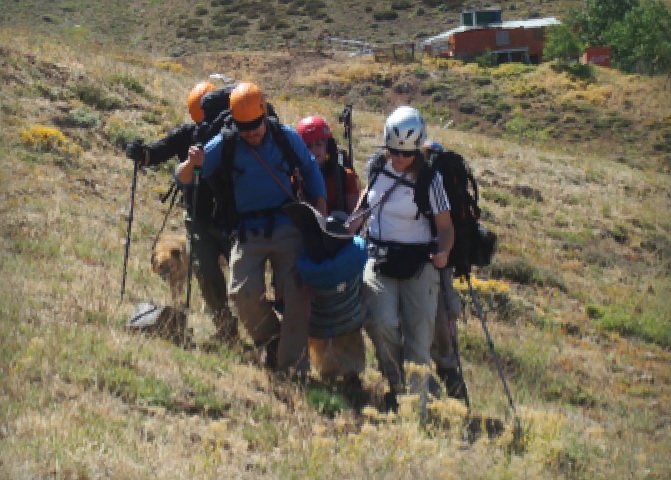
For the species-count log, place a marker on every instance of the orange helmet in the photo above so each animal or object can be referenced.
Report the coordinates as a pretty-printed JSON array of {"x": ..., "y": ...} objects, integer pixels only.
[
  {"x": 248, "y": 104},
  {"x": 193, "y": 101},
  {"x": 313, "y": 128}
]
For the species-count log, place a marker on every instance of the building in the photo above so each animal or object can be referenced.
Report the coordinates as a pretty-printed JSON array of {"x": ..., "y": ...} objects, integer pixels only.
[
  {"x": 483, "y": 30},
  {"x": 597, "y": 56}
]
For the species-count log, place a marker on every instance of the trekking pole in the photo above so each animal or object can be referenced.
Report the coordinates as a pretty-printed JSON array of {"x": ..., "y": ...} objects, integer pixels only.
[
  {"x": 130, "y": 224},
  {"x": 196, "y": 182},
  {"x": 346, "y": 119},
  {"x": 452, "y": 324},
  {"x": 481, "y": 315}
]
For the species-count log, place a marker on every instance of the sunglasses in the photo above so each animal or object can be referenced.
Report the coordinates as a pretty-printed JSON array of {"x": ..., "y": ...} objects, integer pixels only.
[{"x": 402, "y": 153}]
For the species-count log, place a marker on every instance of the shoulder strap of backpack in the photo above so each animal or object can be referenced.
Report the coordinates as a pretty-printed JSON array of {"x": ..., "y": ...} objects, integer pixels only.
[
  {"x": 283, "y": 142},
  {"x": 421, "y": 195},
  {"x": 289, "y": 155},
  {"x": 374, "y": 167},
  {"x": 221, "y": 182}
]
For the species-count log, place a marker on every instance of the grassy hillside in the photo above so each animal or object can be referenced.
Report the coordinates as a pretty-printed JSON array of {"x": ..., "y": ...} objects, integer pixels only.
[
  {"x": 178, "y": 27},
  {"x": 576, "y": 299}
]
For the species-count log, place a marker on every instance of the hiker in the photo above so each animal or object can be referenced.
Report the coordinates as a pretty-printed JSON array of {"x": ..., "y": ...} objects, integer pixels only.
[
  {"x": 342, "y": 186},
  {"x": 401, "y": 277},
  {"x": 336, "y": 340},
  {"x": 249, "y": 166},
  {"x": 208, "y": 239},
  {"x": 332, "y": 264}
]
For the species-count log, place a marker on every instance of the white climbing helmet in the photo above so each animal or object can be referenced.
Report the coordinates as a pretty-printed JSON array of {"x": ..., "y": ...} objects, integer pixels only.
[{"x": 404, "y": 130}]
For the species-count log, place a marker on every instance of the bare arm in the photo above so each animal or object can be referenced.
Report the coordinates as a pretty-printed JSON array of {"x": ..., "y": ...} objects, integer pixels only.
[
  {"x": 445, "y": 239},
  {"x": 195, "y": 158},
  {"x": 357, "y": 214}
]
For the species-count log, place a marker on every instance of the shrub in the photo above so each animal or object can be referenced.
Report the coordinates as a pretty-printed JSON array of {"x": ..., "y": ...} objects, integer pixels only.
[
  {"x": 382, "y": 16},
  {"x": 131, "y": 83},
  {"x": 81, "y": 118},
  {"x": 120, "y": 135},
  {"x": 41, "y": 138},
  {"x": 96, "y": 97},
  {"x": 522, "y": 272},
  {"x": 576, "y": 71},
  {"x": 482, "y": 81},
  {"x": 421, "y": 73},
  {"x": 468, "y": 107},
  {"x": 486, "y": 60},
  {"x": 401, "y": 5},
  {"x": 325, "y": 401}
]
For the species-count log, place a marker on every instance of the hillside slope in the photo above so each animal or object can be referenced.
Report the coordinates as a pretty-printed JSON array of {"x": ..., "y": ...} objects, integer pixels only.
[
  {"x": 576, "y": 299},
  {"x": 178, "y": 27}
]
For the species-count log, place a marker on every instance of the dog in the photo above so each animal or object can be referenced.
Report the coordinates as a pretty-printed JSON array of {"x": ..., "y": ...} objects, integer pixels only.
[{"x": 171, "y": 262}]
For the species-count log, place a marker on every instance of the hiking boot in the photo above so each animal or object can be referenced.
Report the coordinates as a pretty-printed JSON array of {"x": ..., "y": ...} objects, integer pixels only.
[
  {"x": 454, "y": 382},
  {"x": 226, "y": 334},
  {"x": 272, "y": 348},
  {"x": 352, "y": 381},
  {"x": 227, "y": 328},
  {"x": 389, "y": 402},
  {"x": 433, "y": 386}
]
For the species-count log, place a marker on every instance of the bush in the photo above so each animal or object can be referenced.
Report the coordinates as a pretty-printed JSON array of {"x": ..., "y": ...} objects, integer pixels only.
[
  {"x": 96, "y": 97},
  {"x": 131, "y": 83},
  {"x": 81, "y": 118},
  {"x": 382, "y": 16},
  {"x": 522, "y": 272},
  {"x": 41, "y": 138},
  {"x": 421, "y": 73},
  {"x": 486, "y": 60},
  {"x": 576, "y": 71},
  {"x": 482, "y": 81},
  {"x": 401, "y": 5}
]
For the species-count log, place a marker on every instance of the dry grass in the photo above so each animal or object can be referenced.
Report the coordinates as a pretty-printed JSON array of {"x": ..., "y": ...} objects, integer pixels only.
[{"x": 576, "y": 305}]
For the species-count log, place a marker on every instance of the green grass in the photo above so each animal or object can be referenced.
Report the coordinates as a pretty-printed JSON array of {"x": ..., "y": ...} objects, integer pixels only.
[{"x": 326, "y": 401}]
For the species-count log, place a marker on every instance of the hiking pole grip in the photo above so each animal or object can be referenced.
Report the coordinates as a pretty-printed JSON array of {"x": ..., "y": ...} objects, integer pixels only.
[{"x": 128, "y": 229}]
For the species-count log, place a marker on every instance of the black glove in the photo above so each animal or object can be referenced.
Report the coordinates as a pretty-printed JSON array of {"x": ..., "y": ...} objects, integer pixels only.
[{"x": 135, "y": 150}]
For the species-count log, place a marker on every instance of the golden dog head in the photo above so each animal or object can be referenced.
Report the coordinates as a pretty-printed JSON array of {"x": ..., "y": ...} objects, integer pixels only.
[{"x": 170, "y": 260}]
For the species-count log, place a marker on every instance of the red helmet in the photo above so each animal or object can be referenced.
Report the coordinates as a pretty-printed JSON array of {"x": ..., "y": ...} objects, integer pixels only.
[{"x": 314, "y": 128}]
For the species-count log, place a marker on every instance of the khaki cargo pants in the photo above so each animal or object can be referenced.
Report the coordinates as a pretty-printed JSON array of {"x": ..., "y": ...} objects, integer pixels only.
[
  {"x": 247, "y": 289},
  {"x": 400, "y": 321}
]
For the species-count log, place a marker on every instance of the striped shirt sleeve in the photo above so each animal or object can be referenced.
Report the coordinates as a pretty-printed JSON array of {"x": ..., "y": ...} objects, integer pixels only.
[{"x": 438, "y": 195}]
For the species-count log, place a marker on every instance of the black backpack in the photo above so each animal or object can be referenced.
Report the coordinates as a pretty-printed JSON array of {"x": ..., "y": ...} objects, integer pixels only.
[{"x": 474, "y": 245}]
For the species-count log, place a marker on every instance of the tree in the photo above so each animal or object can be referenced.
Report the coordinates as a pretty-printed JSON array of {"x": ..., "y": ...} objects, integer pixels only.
[
  {"x": 642, "y": 40},
  {"x": 595, "y": 20},
  {"x": 562, "y": 44}
]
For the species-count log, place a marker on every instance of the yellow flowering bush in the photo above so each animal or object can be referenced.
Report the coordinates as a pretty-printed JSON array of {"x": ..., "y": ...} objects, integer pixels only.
[
  {"x": 41, "y": 138},
  {"x": 171, "y": 67}
]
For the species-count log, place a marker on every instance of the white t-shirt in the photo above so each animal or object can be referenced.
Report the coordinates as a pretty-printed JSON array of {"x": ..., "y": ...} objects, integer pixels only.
[{"x": 397, "y": 219}]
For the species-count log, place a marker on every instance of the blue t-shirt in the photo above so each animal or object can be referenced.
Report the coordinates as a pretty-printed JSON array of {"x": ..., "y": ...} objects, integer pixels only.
[{"x": 255, "y": 187}]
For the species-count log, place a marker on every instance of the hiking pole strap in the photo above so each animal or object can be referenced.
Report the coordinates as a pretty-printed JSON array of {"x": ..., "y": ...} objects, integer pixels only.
[
  {"x": 130, "y": 224},
  {"x": 192, "y": 234},
  {"x": 481, "y": 315}
]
